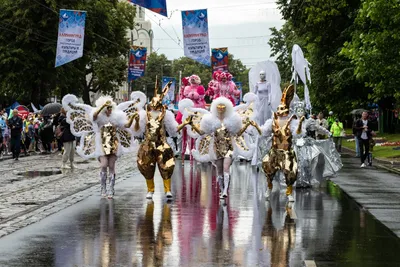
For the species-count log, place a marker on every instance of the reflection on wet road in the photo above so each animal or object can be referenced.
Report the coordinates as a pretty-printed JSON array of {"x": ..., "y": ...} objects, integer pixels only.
[{"x": 197, "y": 229}]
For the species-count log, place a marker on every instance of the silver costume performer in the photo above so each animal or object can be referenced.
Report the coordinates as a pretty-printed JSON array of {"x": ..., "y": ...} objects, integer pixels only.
[{"x": 316, "y": 159}]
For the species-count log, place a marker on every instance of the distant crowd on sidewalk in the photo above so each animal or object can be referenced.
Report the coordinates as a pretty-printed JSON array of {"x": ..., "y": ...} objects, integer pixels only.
[{"x": 36, "y": 134}]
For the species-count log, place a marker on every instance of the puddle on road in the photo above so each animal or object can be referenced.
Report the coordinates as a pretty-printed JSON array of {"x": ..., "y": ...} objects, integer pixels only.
[{"x": 32, "y": 174}]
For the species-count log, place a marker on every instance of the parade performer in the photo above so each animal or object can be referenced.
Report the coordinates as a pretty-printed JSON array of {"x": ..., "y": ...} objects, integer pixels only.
[
  {"x": 212, "y": 85},
  {"x": 185, "y": 82},
  {"x": 225, "y": 87},
  {"x": 195, "y": 92},
  {"x": 265, "y": 82},
  {"x": 154, "y": 122},
  {"x": 103, "y": 133},
  {"x": 281, "y": 156},
  {"x": 263, "y": 90},
  {"x": 219, "y": 129},
  {"x": 247, "y": 142},
  {"x": 310, "y": 152}
]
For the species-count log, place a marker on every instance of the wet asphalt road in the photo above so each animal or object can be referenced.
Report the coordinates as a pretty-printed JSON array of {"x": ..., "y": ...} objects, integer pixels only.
[{"x": 197, "y": 229}]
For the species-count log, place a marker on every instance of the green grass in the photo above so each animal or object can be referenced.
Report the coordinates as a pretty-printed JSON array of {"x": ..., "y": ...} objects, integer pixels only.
[{"x": 379, "y": 151}]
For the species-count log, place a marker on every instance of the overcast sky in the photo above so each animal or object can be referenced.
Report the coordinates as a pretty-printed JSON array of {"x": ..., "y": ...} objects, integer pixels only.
[{"x": 242, "y": 26}]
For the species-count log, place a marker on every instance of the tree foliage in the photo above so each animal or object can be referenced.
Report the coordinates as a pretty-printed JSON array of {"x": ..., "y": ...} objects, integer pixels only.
[
  {"x": 28, "y": 39},
  {"x": 321, "y": 28},
  {"x": 374, "y": 47}
]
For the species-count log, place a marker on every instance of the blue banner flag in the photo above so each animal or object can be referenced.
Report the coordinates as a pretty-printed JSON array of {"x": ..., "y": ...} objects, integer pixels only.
[
  {"x": 195, "y": 36},
  {"x": 137, "y": 62},
  {"x": 158, "y": 6},
  {"x": 219, "y": 59},
  {"x": 71, "y": 33},
  {"x": 170, "y": 97}
]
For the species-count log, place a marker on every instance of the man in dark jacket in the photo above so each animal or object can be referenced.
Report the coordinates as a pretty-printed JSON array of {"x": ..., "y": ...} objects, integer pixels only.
[
  {"x": 364, "y": 134},
  {"x": 68, "y": 140},
  {"x": 15, "y": 125}
]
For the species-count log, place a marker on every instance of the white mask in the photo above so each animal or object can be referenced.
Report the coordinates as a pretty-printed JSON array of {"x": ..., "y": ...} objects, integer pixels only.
[{"x": 262, "y": 76}]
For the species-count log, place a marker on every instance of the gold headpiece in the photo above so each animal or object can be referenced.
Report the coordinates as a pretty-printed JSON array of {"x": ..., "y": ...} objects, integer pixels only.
[
  {"x": 287, "y": 97},
  {"x": 157, "y": 99}
]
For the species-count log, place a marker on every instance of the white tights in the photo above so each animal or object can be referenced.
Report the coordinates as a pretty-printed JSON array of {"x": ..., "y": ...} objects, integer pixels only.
[
  {"x": 223, "y": 166},
  {"x": 108, "y": 161}
]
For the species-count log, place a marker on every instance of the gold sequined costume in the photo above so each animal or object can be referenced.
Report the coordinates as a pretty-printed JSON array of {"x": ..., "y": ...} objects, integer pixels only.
[
  {"x": 155, "y": 150},
  {"x": 154, "y": 123},
  {"x": 281, "y": 156}
]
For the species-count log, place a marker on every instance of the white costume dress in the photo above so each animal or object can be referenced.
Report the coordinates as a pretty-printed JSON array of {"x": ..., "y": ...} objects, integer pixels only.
[{"x": 264, "y": 110}]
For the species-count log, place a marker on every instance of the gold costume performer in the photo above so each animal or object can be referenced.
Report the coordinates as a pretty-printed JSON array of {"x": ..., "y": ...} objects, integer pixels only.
[
  {"x": 154, "y": 123},
  {"x": 281, "y": 156}
]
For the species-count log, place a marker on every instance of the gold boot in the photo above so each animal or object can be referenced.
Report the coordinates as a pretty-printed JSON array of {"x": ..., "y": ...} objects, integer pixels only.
[
  {"x": 150, "y": 188},
  {"x": 167, "y": 188},
  {"x": 289, "y": 192}
]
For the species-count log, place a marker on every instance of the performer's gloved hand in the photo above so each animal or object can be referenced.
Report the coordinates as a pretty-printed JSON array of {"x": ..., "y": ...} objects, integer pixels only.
[{"x": 189, "y": 120}]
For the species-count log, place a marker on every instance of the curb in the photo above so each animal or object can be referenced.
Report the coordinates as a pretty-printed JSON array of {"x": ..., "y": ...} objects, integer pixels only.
[
  {"x": 380, "y": 166},
  {"x": 388, "y": 169},
  {"x": 379, "y": 160}
]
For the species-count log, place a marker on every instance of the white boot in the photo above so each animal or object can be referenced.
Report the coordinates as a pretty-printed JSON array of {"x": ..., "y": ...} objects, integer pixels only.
[
  {"x": 103, "y": 182},
  {"x": 290, "y": 198},
  {"x": 149, "y": 195},
  {"x": 65, "y": 166},
  {"x": 111, "y": 190},
  {"x": 220, "y": 181},
  {"x": 227, "y": 179},
  {"x": 268, "y": 194}
]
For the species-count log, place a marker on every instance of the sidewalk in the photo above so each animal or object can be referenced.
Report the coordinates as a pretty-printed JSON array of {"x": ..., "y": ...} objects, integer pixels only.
[
  {"x": 387, "y": 164},
  {"x": 35, "y": 187},
  {"x": 375, "y": 189}
]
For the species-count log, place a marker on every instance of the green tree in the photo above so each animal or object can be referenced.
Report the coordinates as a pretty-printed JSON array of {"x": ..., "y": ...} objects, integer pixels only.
[
  {"x": 281, "y": 43},
  {"x": 373, "y": 48},
  {"x": 321, "y": 28},
  {"x": 28, "y": 47}
]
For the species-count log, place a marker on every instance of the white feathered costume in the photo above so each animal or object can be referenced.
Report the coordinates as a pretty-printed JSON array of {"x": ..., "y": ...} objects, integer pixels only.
[
  {"x": 209, "y": 145},
  {"x": 80, "y": 118}
]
